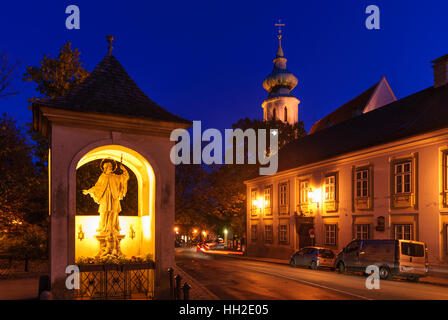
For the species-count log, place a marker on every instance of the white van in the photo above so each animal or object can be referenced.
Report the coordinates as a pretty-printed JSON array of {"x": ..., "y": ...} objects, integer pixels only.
[{"x": 405, "y": 258}]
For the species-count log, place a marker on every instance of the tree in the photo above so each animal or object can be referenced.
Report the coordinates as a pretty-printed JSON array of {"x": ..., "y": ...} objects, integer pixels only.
[
  {"x": 24, "y": 178},
  {"x": 227, "y": 190},
  {"x": 191, "y": 200},
  {"x": 57, "y": 76},
  {"x": 7, "y": 71},
  {"x": 20, "y": 235},
  {"x": 53, "y": 77}
]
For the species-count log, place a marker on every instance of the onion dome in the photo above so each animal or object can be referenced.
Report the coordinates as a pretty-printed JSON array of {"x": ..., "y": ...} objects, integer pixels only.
[{"x": 280, "y": 81}]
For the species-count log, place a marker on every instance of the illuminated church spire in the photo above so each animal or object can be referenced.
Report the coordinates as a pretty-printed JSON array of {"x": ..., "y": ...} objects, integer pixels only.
[{"x": 280, "y": 104}]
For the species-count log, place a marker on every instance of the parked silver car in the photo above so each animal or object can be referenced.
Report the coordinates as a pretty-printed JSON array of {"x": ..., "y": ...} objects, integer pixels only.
[{"x": 313, "y": 257}]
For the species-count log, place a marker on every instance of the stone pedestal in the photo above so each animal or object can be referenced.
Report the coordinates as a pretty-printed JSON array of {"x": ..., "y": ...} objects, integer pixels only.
[{"x": 109, "y": 245}]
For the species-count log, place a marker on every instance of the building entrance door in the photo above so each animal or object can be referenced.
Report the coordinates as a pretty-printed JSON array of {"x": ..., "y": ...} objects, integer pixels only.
[{"x": 306, "y": 238}]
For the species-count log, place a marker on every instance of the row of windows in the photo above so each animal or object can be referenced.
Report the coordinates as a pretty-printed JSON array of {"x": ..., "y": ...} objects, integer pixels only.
[
  {"x": 402, "y": 173},
  {"x": 268, "y": 235},
  {"x": 361, "y": 231}
]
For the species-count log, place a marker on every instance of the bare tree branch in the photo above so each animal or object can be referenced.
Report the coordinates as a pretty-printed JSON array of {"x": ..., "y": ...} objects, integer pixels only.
[{"x": 7, "y": 74}]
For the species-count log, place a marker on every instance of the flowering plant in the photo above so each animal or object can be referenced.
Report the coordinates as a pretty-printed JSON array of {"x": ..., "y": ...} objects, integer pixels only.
[{"x": 111, "y": 259}]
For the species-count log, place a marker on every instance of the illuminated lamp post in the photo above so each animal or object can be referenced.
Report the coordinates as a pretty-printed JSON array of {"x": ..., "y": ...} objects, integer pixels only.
[{"x": 225, "y": 237}]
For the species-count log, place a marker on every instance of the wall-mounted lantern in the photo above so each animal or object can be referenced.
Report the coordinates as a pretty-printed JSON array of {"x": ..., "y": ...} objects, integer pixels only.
[
  {"x": 258, "y": 203},
  {"x": 131, "y": 232},
  {"x": 80, "y": 233},
  {"x": 315, "y": 196}
]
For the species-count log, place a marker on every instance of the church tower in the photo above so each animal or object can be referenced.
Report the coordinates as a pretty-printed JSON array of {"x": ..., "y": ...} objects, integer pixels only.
[{"x": 280, "y": 104}]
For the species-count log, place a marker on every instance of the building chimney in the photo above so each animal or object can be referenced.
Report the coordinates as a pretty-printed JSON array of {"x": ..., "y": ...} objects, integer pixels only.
[{"x": 440, "y": 67}]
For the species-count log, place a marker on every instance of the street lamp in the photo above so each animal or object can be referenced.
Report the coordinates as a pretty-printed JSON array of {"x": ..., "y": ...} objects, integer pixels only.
[
  {"x": 258, "y": 203},
  {"x": 225, "y": 237},
  {"x": 315, "y": 196}
]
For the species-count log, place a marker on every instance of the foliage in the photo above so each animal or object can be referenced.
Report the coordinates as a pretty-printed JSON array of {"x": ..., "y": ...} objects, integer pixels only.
[
  {"x": 53, "y": 77},
  {"x": 32, "y": 243},
  {"x": 191, "y": 198},
  {"x": 110, "y": 259},
  {"x": 18, "y": 177},
  {"x": 57, "y": 76}
]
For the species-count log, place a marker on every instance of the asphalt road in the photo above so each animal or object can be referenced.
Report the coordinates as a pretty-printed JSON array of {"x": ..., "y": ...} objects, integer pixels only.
[{"x": 238, "y": 279}]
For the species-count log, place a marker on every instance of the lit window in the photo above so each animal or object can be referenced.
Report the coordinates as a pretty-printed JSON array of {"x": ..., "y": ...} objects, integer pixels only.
[
  {"x": 330, "y": 234},
  {"x": 403, "y": 177},
  {"x": 283, "y": 198},
  {"x": 283, "y": 194},
  {"x": 268, "y": 233},
  {"x": 362, "y": 231},
  {"x": 283, "y": 233},
  {"x": 330, "y": 188},
  {"x": 446, "y": 170},
  {"x": 253, "y": 202},
  {"x": 362, "y": 183},
  {"x": 304, "y": 190},
  {"x": 403, "y": 232},
  {"x": 267, "y": 200},
  {"x": 253, "y": 232}
]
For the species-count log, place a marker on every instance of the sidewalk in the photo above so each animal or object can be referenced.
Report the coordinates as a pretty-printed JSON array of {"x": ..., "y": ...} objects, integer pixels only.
[
  {"x": 19, "y": 289},
  {"x": 197, "y": 291},
  {"x": 437, "y": 275}
]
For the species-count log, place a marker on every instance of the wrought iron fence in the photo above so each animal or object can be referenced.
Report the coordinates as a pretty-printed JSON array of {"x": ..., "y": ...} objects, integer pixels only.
[{"x": 116, "y": 281}]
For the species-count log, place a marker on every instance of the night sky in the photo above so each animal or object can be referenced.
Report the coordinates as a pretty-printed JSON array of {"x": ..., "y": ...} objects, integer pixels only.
[{"x": 206, "y": 60}]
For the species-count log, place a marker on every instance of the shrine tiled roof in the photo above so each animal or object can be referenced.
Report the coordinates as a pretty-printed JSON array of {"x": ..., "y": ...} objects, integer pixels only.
[{"x": 110, "y": 90}]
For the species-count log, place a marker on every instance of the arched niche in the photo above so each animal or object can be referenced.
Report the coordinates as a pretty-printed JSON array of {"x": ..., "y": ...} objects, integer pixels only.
[{"x": 139, "y": 230}]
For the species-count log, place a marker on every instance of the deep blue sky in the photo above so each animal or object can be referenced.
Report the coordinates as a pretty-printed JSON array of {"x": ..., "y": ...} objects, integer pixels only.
[{"x": 206, "y": 60}]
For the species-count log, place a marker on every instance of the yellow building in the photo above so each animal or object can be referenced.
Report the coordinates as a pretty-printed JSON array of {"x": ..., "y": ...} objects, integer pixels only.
[{"x": 374, "y": 168}]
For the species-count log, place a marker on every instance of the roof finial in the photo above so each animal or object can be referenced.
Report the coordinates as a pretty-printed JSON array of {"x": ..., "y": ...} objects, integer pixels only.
[
  {"x": 279, "y": 26},
  {"x": 110, "y": 39}
]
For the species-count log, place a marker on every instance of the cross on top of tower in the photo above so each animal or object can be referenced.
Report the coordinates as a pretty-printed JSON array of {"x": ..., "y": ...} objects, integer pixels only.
[
  {"x": 279, "y": 26},
  {"x": 110, "y": 39}
]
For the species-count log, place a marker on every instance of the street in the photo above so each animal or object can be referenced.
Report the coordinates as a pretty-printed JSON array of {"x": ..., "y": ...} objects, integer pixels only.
[{"x": 239, "y": 279}]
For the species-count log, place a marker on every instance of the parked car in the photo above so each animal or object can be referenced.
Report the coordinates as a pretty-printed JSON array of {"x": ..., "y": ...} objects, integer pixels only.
[
  {"x": 313, "y": 257},
  {"x": 393, "y": 258}
]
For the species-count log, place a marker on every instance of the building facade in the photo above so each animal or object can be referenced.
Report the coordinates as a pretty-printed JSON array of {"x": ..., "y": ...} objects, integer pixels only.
[{"x": 377, "y": 174}]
